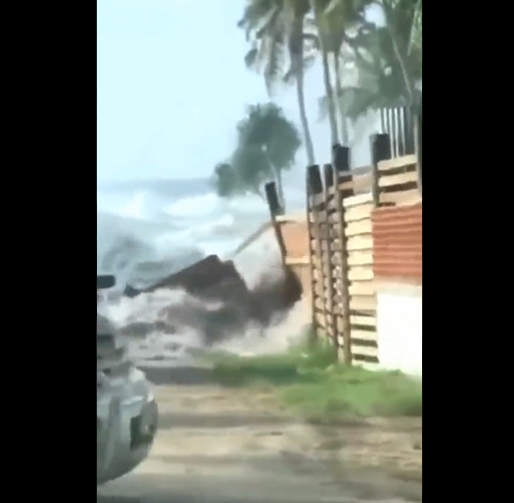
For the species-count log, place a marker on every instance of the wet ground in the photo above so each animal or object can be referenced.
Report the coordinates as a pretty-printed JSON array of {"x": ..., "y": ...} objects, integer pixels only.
[{"x": 219, "y": 445}]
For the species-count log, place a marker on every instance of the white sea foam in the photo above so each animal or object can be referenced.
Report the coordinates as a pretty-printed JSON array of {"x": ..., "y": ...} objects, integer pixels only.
[{"x": 145, "y": 234}]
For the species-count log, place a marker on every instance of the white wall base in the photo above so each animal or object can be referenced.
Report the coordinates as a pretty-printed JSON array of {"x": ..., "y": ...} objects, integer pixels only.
[{"x": 399, "y": 321}]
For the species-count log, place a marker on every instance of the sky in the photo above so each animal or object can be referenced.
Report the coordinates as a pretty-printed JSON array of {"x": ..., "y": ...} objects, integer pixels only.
[{"x": 172, "y": 84}]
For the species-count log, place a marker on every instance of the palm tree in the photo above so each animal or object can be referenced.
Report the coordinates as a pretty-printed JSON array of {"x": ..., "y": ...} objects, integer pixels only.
[
  {"x": 332, "y": 19},
  {"x": 276, "y": 30},
  {"x": 341, "y": 16},
  {"x": 383, "y": 79},
  {"x": 268, "y": 143},
  {"x": 267, "y": 146},
  {"x": 296, "y": 43},
  {"x": 323, "y": 31},
  {"x": 403, "y": 22}
]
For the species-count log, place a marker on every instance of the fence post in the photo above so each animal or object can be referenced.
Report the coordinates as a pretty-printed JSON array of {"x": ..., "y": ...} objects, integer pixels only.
[
  {"x": 275, "y": 209},
  {"x": 328, "y": 177},
  {"x": 419, "y": 145},
  {"x": 314, "y": 189},
  {"x": 380, "y": 151},
  {"x": 330, "y": 319},
  {"x": 341, "y": 158}
]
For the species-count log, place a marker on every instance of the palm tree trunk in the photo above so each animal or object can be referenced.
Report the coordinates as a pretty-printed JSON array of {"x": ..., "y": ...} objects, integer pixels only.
[
  {"x": 345, "y": 138},
  {"x": 400, "y": 55},
  {"x": 322, "y": 30},
  {"x": 296, "y": 42},
  {"x": 330, "y": 97},
  {"x": 303, "y": 113}
]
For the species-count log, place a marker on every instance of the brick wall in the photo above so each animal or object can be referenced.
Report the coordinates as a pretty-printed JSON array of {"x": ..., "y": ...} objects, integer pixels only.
[
  {"x": 397, "y": 265},
  {"x": 397, "y": 243}
]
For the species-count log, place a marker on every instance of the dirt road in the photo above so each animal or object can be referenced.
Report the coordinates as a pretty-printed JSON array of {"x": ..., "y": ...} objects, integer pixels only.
[{"x": 219, "y": 445}]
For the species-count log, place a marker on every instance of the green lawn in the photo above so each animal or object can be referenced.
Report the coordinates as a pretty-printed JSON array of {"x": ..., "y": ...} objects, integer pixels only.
[{"x": 309, "y": 383}]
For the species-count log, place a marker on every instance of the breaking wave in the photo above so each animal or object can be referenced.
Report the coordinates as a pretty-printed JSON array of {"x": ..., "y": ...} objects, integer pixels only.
[{"x": 148, "y": 231}]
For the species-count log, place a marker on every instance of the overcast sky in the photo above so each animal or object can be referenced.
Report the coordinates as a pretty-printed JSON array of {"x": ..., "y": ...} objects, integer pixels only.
[{"x": 172, "y": 84}]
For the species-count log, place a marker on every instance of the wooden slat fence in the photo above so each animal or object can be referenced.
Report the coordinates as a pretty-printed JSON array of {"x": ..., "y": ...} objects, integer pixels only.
[{"x": 339, "y": 208}]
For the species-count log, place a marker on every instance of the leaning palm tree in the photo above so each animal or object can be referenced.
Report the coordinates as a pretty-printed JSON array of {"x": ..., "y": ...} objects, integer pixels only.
[
  {"x": 267, "y": 145},
  {"x": 341, "y": 17},
  {"x": 298, "y": 63},
  {"x": 387, "y": 70},
  {"x": 275, "y": 28},
  {"x": 320, "y": 21},
  {"x": 403, "y": 20},
  {"x": 332, "y": 18}
]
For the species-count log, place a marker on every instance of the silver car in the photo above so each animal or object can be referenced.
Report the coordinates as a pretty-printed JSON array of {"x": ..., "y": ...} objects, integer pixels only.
[{"x": 127, "y": 414}]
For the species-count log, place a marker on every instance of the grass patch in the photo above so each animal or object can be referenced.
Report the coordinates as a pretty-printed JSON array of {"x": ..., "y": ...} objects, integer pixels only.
[{"x": 309, "y": 383}]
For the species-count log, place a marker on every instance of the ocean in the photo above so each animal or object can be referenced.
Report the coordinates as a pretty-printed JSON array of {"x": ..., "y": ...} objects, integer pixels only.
[{"x": 149, "y": 229}]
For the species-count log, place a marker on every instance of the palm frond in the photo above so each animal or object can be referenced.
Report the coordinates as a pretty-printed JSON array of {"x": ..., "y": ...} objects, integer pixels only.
[
  {"x": 274, "y": 57},
  {"x": 256, "y": 14},
  {"x": 251, "y": 57}
]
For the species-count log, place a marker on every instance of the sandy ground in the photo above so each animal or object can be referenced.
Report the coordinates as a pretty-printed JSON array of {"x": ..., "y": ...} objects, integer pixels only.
[{"x": 222, "y": 445}]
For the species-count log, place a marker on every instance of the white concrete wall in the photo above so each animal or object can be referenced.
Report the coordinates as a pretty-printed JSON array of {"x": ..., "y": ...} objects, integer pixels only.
[{"x": 399, "y": 328}]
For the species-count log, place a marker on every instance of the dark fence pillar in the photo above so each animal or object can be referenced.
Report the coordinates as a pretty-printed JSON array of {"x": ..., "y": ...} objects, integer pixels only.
[
  {"x": 380, "y": 151},
  {"x": 314, "y": 188},
  {"x": 275, "y": 209}
]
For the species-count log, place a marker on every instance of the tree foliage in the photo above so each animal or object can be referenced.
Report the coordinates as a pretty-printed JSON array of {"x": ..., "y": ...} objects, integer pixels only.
[
  {"x": 225, "y": 180},
  {"x": 266, "y": 128},
  {"x": 365, "y": 65},
  {"x": 280, "y": 48},
  {"x": 267, "y": 145},
  {"x": 386, "y": 62}
]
